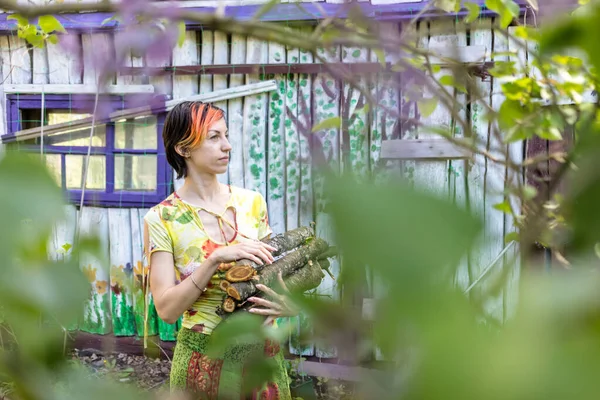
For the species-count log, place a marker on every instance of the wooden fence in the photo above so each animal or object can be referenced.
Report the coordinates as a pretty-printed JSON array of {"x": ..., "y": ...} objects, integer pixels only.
[{"x": 271, "y": 138}]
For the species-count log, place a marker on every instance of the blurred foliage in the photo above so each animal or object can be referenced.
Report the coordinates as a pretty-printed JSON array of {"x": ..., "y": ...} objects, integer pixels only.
[{"x": 424, "y": 325}]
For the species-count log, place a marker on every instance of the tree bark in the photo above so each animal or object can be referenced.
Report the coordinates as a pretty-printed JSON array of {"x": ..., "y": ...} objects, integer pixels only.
[
  {"x": 287, "y": 265},
  {"x": 283, "y": 242},
  {"x": 306, "y": 278}
]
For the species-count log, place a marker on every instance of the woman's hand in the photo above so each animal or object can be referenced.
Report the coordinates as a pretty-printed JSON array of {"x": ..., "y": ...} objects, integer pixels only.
[
  {"x": 280, "y": 306},
  {"x": 256, "y": 251}
]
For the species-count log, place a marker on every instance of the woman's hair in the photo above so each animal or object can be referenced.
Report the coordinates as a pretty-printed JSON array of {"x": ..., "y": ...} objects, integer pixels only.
[{"x": 186, "y": 126}]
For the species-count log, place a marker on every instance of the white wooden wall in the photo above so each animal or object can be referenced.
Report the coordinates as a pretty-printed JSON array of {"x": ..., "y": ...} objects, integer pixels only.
[{"x": 271, "y": 154}]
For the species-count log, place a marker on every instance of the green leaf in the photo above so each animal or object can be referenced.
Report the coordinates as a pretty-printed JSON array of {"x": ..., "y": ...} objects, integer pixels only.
[
  {"x": 240, "y": 328},
  {"x": 448, "y": 5},
  {"x": 529, "y": 192},
  {"x": 181, "y": 29},
  {"x": 474, "y": 11},
  {"x": 448, "y": 80},
  {"x": 52, "y": 39},
  {"x": 397, "y": 252},
  {"x": 363, "y": 110},
  {"x": 380, "y": 56},
  {"x": 50, "y": 24},
  {"x": 21, "y": 21},
  {"x": 329, "y": 123},
  {"x": 427, "y": 106},
  {"x": 506, "y": 9},
  {"x": 511, "y": 237},
  {"x": 552, "y": 133},
  {"x": 504, "y": 207}
]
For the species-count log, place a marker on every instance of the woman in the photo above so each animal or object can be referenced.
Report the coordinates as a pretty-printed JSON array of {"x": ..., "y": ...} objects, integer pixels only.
[{"x": 188, "y": 238}]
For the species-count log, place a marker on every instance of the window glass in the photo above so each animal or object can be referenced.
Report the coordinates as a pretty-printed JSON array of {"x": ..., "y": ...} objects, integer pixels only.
[
  {"x": 136, "y": 133},
  {"x": 96, "y": 176},
  {"x": 53, "y": 164},
  {"x": 135, "y": 172}
]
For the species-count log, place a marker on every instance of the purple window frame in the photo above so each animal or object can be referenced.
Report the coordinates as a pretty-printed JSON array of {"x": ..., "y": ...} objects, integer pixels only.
[{"x": 84, "y": 103}]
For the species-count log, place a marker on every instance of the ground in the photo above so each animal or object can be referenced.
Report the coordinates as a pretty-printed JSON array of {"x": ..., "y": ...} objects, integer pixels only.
[{"x": 152, "y": 375}]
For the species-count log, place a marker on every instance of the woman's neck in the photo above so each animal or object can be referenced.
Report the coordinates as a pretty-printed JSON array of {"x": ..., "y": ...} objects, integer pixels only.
[{"x": 201, "y": 189}]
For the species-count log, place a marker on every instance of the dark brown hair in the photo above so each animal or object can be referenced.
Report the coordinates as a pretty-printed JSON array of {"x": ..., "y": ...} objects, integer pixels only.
[{"x": 186, "y": 125}]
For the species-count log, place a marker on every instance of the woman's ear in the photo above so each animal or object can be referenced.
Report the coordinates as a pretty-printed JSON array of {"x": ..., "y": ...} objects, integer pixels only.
[{"x": 182, "y": 152}]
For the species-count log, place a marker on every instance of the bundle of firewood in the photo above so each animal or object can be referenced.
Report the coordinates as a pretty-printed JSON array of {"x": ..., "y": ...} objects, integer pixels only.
[{"x": 299, "y": 256}]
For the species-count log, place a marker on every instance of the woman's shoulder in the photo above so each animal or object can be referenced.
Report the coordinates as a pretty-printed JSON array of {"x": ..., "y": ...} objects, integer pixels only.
[{"x": 156, "y": 212}]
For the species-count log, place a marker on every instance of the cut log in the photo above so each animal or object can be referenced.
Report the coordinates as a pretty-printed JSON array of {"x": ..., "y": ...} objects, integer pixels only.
[
  {"x": 223, "y": 285},
  {"x": 229, "y": 305},
  {"x": 287, "y": 265},
  {"x": 306, "y": 278},
  {"x": 283, "y": 242},
  {"x": 240, "y": 273},
  {"x": 332, "y": 251}
]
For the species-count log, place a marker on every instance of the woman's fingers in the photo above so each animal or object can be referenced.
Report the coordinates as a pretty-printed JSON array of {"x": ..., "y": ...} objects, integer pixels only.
[
  {"x": 268, "y": 291},
  {"x": 265, "y": 303},
  {"x": 252, "y": 257},
  {"x": 265, "y": 311}
]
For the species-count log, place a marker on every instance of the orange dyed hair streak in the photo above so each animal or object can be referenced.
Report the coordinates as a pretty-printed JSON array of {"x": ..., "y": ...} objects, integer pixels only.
[{"x": 203, "y": 116}]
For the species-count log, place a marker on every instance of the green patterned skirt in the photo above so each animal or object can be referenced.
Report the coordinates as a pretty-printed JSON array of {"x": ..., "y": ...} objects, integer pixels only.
[{"x": 223, "y": 377}]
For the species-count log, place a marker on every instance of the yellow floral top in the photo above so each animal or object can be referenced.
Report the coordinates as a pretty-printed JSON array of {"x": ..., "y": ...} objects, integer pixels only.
[{"x": 174, "y": 226}]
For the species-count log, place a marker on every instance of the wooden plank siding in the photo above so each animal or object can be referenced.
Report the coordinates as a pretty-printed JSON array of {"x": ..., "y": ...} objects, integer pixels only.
[{"x": 275, "y": 153}]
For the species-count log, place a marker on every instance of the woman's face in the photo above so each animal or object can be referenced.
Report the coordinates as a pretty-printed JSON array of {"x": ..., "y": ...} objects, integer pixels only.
[{"x": 212, "y": 156}]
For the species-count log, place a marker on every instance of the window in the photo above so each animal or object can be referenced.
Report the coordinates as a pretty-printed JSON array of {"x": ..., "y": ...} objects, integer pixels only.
[{"x": 127, "y": 165}]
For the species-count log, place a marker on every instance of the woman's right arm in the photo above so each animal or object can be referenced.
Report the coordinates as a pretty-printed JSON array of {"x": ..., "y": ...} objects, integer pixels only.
[{"x": 171, "y": 299}]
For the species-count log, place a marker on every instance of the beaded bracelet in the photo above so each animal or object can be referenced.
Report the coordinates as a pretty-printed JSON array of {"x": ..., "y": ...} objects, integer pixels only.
[{"x": 196, "y": 283}]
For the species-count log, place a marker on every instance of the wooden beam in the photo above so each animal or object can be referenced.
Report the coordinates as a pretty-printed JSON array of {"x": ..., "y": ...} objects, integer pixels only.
[
  {"x": 106, "y": 344},
  {"x": 75, "y": 89},
  {"x": 217, "y": 95},
  {"x": 463, "y": 54},
  {"x": 421, "y": 149},
  {"x": 440, "y": 56},
  {"x": 212, "y": 97}
]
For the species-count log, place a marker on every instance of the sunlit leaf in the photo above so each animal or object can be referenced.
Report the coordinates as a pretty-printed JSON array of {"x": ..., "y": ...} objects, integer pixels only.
[
  {"x": 511, "y": 237},
  {"x": 448, "y": 5},
  {"x": 529, "y": 192},
  {"x": 21, "y": 20},
  {"x": 329, "y": 123},
  {"x": 505, "y": 207},
  {"x": 380, "y": 56},
  {"x": 52, "y": 39},
  {"x": 50, "y": 24},
  {"x": 427, "y": 106},
  {"x": 474, "y": 10},
  {"x": 181, "y": 37},
  {"x": 507, "y": 9}
]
